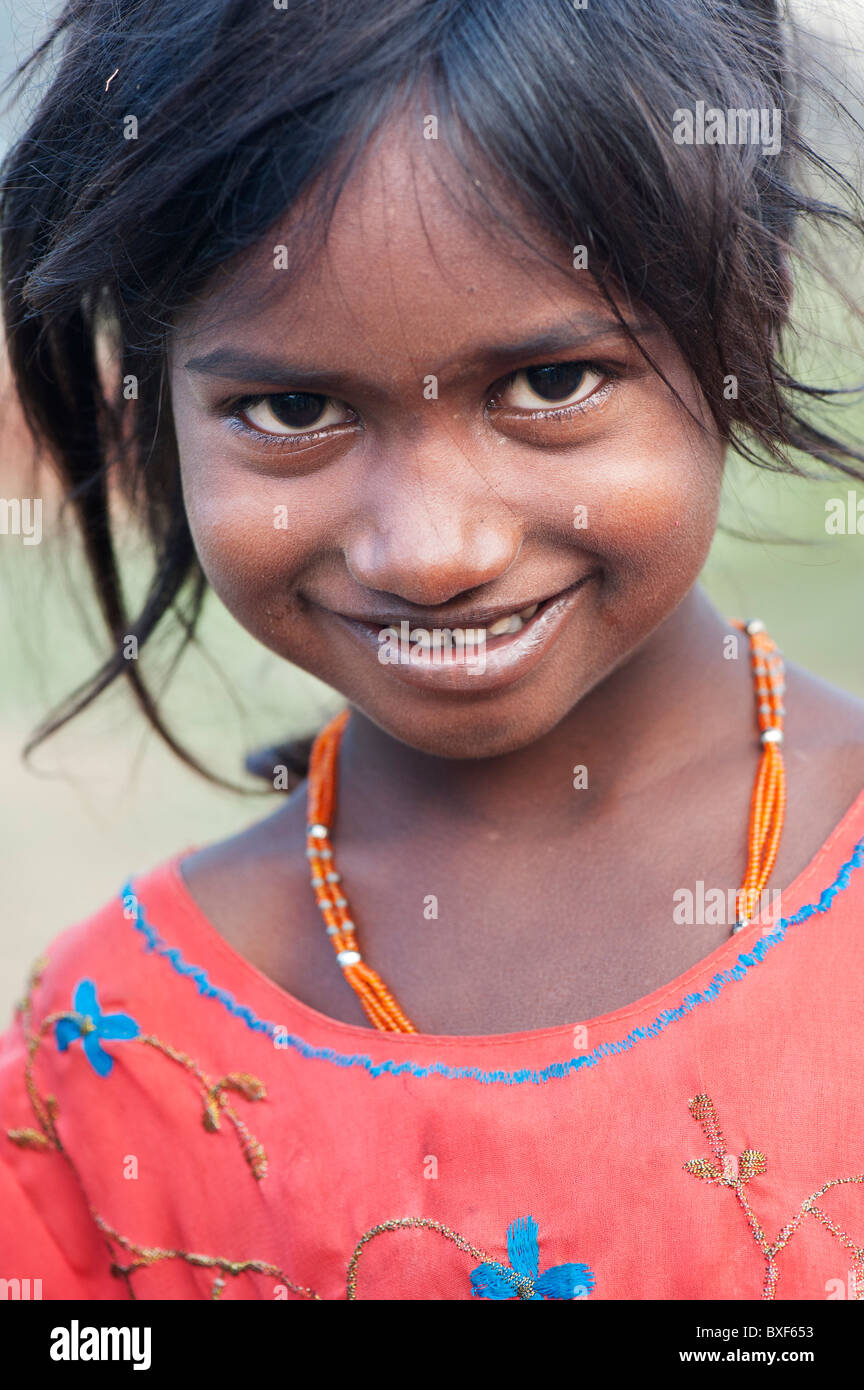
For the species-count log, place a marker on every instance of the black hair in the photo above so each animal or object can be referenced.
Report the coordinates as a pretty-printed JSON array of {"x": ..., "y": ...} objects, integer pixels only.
[{"x": 242, "y": 105}]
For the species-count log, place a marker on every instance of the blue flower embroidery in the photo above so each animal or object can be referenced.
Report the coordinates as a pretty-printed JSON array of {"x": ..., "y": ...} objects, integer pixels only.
[
  {"x": 89, "y": 1022},
  {"x": 523, "y": 1252}
]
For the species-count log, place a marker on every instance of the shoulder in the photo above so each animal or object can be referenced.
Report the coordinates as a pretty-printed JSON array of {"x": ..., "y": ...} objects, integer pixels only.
[
  {"x": 819, "y": 699},
  {"x": 253, "y": 891},
  {"x": 232, "y": 866},
  {"x": 824, "y": 757},
  {"x": 254, "y": 886},
  {"x": 825, "y": 733}
]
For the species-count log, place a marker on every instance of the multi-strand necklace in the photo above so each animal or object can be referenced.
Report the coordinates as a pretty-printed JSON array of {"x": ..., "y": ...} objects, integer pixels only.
[{"x": 767, "y": 814}]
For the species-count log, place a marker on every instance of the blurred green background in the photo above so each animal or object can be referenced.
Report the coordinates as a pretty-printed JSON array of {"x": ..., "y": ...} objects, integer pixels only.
[{"x": 104, "y": 799}]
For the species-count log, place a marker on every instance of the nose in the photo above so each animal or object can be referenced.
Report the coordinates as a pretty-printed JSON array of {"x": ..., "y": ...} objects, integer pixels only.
[{"x": 432, "y": 530}]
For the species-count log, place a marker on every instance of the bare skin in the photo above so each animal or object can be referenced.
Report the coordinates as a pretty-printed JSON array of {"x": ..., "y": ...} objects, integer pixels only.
[{"x": 554, "y": 904}]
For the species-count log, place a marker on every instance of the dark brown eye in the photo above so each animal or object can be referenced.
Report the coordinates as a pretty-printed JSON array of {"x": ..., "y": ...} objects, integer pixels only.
[
  {"x": 292, "y": 412},
  {"x": 556, "y": 384}
]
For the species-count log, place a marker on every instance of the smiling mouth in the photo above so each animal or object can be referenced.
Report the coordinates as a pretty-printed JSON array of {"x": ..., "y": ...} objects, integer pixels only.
[
  {"x": 497, "y": 648},
  {"x": 477, "y": 630}
]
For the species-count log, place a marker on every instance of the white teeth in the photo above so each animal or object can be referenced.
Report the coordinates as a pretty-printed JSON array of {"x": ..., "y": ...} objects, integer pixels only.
[
  {"x": 513, "y": 624},
  {"x": 505, "y": 625}
]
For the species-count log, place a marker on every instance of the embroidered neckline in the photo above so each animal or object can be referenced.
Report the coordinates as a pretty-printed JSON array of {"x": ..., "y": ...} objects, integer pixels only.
[{"x": 133, "y": 911}]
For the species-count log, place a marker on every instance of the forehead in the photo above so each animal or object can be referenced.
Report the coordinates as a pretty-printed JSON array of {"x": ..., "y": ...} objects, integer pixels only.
[{"x": 416, "y": 259}]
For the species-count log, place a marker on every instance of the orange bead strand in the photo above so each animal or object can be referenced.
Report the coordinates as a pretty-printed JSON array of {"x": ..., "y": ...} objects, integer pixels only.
[
  {"x": 767, "y": 814},
  {"x": 768, "y": 802},
  {"x": 377, "y": 1002}
]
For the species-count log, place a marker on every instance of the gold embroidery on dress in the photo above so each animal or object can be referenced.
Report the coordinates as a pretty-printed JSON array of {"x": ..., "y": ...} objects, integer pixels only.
[
  {"x": 427, "y": 1223},
  {"x": 725, "y": 1170},
  {"x": 215, "y": 1106}
]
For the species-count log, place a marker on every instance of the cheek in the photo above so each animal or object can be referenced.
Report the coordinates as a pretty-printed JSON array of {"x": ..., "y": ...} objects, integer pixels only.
[
  {"x": 253, "y": 535},
  {"x": 655, "y": 511}
]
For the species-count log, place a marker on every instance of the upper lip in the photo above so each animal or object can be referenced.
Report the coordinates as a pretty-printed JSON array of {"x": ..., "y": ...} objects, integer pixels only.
[{"x": 476, "y": 617}]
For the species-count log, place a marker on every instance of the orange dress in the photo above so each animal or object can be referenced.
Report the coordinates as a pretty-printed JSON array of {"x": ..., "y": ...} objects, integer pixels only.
[{"x": 175, "y": 1125}]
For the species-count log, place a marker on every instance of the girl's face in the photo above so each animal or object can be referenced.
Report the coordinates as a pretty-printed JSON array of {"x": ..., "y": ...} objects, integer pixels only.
[{"x": 433, "y": 426}]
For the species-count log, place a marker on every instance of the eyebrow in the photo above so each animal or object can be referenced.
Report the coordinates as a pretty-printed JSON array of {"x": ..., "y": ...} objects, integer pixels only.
[{"x": 239, "y": 365}]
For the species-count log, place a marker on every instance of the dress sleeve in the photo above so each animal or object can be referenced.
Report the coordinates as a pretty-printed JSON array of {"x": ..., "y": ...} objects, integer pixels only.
[{"x": 49, "y": 1245}]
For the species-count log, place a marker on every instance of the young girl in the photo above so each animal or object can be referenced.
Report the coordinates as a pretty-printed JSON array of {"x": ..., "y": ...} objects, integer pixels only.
[{"x": 419, "y": 331}]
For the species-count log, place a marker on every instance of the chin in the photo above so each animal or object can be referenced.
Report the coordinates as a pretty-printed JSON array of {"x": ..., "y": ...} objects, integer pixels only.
[{"x": 466, "y": 734}]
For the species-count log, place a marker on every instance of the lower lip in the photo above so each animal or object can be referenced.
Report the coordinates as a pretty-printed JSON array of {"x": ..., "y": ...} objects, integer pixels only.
[{"x": 499, "y": 662}]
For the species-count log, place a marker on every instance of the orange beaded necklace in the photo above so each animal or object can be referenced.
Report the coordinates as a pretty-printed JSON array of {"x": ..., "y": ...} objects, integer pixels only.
[{"x": 767, "y": 813}]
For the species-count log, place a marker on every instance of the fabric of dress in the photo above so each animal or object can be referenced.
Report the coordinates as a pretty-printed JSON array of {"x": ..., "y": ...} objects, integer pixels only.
[{"x": 704, "y": 1142}]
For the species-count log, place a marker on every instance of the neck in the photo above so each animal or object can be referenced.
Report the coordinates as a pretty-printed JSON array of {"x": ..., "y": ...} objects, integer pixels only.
[{"x": 673, "y": 703}]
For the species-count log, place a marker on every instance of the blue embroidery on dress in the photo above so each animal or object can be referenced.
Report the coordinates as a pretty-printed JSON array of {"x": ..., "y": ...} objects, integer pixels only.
[
  {"x": 89, "y": 1023},
  {"x": 133, "y": 910},
  {"x": 523, "y": 1252}
]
